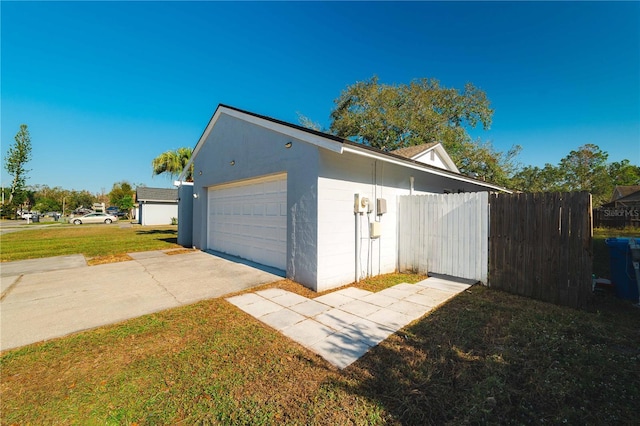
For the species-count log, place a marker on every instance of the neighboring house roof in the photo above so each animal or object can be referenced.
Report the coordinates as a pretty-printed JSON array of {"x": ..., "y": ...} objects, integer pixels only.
[
  {"x": 415, "y": 150},
  {"x": 326, "y": 141},
  {"x": 621, "y": 191},
  {"x": 633, "y": 199},
  {"x": 156, "y": 194},
  {"x": 425, "y": 153}
]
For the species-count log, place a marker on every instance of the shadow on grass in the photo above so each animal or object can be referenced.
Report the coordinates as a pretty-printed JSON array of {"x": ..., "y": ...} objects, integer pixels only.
[
  {"x": 157, "y": 231},
  {"x": 490, "y": 357}
]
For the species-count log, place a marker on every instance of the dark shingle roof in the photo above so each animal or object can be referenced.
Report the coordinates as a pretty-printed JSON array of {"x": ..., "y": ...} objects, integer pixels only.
[
  {"x": 624, "y": 191},
  {"x": 343, "y": 141},
  {"x": 156, "y": 194},
  {"x": 412, "y": 151}
]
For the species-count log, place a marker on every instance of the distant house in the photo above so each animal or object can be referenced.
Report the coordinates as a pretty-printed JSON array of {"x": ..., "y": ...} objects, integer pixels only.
[
  {"x": 624, "y": 194},
  {"x": 292, "y": 198},
  {"x": 622, "y": 211},
  {"x": 157, "y": 206}
]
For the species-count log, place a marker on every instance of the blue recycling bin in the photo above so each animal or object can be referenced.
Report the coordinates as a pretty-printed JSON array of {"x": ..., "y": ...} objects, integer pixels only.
[{"x": 623, "y": 275}]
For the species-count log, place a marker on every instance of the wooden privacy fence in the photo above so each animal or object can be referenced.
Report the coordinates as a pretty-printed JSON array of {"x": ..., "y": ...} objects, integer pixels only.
[
  {"x": 535, "y": 245},
  {"x": 444, "y": 234},
  {"x": 540, "y": 246}
]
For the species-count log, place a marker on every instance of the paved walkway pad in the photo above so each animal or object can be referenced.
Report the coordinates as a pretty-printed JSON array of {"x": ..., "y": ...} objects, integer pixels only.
[{"x": 343, "y": 325}]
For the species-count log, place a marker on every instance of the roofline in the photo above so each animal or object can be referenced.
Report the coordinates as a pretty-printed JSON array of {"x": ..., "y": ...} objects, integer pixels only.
[
  {"x": 327, "y": 141},
  {"x": 144, "y": 200}
]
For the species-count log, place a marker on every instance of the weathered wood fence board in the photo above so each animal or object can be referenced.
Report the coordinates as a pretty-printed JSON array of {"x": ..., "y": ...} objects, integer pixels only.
[
  {"x": 444, "y": 234},
  {"x": 540, "y": 246}
]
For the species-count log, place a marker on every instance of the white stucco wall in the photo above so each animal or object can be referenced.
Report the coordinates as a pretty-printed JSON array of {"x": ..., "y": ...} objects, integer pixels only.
[
  {"x": 342, "y": 176},
  {"x": 157, "y": 213},
  {"x": 257, "y": 152}
]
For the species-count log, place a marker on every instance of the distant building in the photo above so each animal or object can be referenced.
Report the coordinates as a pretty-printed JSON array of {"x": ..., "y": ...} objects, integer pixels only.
[
  {"x": 157, "y": 206},
  {"x": 622, "y": 211}
]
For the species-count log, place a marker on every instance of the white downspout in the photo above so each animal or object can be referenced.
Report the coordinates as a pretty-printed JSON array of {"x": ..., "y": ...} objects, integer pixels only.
[{"x": 357, "y": 263}]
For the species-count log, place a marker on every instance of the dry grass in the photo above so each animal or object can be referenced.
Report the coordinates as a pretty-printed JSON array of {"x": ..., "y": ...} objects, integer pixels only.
[
  {"x": 179, "y": 251},
  {"x": 484, "y": 357},
  {"x": 112, "y": 258}
]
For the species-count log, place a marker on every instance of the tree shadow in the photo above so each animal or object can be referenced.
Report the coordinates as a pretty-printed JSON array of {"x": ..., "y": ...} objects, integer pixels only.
[
  {"x": 157, "y": 231},
  {"x": 489, "y": 357}
]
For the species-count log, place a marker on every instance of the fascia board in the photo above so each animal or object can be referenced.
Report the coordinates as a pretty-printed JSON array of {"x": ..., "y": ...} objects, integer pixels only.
[{"x": 434, "y": 171}]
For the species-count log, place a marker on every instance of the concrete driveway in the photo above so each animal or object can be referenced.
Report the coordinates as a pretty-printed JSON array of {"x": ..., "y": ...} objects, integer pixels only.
[{"x": 47, "y": 298}]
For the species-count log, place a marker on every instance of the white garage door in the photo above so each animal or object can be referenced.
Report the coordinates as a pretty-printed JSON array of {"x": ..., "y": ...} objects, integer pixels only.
[{"x": 249, "y": 219}]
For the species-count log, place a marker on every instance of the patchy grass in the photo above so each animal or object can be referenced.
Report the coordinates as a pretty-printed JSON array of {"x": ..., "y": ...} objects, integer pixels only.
[
  {"x": 89, "y": 240},
  {"x": 180, "y": 251},
  {"x": 483, "y": 357},
  {"x": 112, "y": 258}
]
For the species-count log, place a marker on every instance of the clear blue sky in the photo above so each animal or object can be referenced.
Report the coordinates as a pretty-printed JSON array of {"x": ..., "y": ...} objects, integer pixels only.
[{"x": 106, "y": 86}]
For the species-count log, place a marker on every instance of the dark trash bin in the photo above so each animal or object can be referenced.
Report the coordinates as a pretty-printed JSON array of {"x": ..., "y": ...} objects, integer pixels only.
[
  {"x": 623, "y": 275},
  {"x": 35, "y": 218}
]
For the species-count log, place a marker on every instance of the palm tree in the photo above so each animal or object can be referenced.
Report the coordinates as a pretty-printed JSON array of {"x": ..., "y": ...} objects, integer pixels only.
[{"x": 173, "y": 163}]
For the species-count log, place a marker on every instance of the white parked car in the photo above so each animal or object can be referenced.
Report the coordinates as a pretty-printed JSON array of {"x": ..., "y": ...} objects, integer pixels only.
[
  {"x": 94, "y": 218},
  {"x": 27, "y": 215}
]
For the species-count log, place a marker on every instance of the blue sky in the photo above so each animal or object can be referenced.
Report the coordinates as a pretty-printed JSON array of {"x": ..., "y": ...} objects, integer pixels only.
[{"x": 106, "y": 86}]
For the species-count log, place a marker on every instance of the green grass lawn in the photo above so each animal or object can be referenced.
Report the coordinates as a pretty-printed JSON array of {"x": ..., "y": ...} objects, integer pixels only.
[
  {"x": 89, "y": 240},
  {"x": 484, "y": 357}
]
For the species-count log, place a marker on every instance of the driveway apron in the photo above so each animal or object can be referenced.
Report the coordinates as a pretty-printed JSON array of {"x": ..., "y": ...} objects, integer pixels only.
[{"x": 38, "y": 304}]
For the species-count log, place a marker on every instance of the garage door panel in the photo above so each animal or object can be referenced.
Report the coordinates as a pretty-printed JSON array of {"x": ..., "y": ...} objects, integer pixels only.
[{"x": 249, "y": 220}]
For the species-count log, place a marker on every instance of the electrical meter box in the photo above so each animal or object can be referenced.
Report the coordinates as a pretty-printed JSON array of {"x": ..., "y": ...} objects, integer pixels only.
[
  {"x": 381, "y": 206},
  {"x": 374, "y": 230},
  {"x": 360, "y": 204}
]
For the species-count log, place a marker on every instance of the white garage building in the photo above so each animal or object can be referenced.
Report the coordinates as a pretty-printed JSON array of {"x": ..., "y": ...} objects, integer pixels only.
[{"x": 283, "y": 196}]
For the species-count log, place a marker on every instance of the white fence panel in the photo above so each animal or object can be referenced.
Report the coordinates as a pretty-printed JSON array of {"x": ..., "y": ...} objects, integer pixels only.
[{"x": 444, "y": 234}]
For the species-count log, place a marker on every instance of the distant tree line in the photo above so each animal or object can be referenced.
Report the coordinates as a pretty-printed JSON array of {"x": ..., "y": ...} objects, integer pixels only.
[{"x": 43, "y": 198}]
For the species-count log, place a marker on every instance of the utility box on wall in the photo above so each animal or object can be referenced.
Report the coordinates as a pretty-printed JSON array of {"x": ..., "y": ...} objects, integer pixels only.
[
  {"x": 381, "y": 206},
  {"x": 374, "y": 230}
]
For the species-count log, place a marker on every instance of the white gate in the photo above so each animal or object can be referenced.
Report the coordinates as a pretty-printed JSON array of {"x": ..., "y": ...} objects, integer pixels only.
[{"x": 444, "y": 234}]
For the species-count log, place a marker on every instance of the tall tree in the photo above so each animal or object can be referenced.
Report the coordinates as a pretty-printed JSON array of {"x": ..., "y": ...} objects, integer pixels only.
[
  {"x": 18, "y": 155},
  {"x": 173, "y": 163},
  {"x": 121, "y": 194},
  {"x": 585, "y": 169},
  {"x": 389, "y": 117}
]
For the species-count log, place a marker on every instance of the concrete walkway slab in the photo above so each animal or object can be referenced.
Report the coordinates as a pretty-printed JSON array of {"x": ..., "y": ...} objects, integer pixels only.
[
  {"x": 343, "y": 325},
  {"x": 58, "y": 296}
]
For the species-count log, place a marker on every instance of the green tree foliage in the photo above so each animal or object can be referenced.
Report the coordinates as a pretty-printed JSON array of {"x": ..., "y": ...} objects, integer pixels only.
[
  {"x": 122, "y": 196},
  {"x": 624, "y": 173},
  {"x": 583, "y": 169},
  {"x": 79, "y": 199},
  {"x": 173, "y": 163},
  {"x": 389, "y": 117},
  {"x": 16, "y": 158}
]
